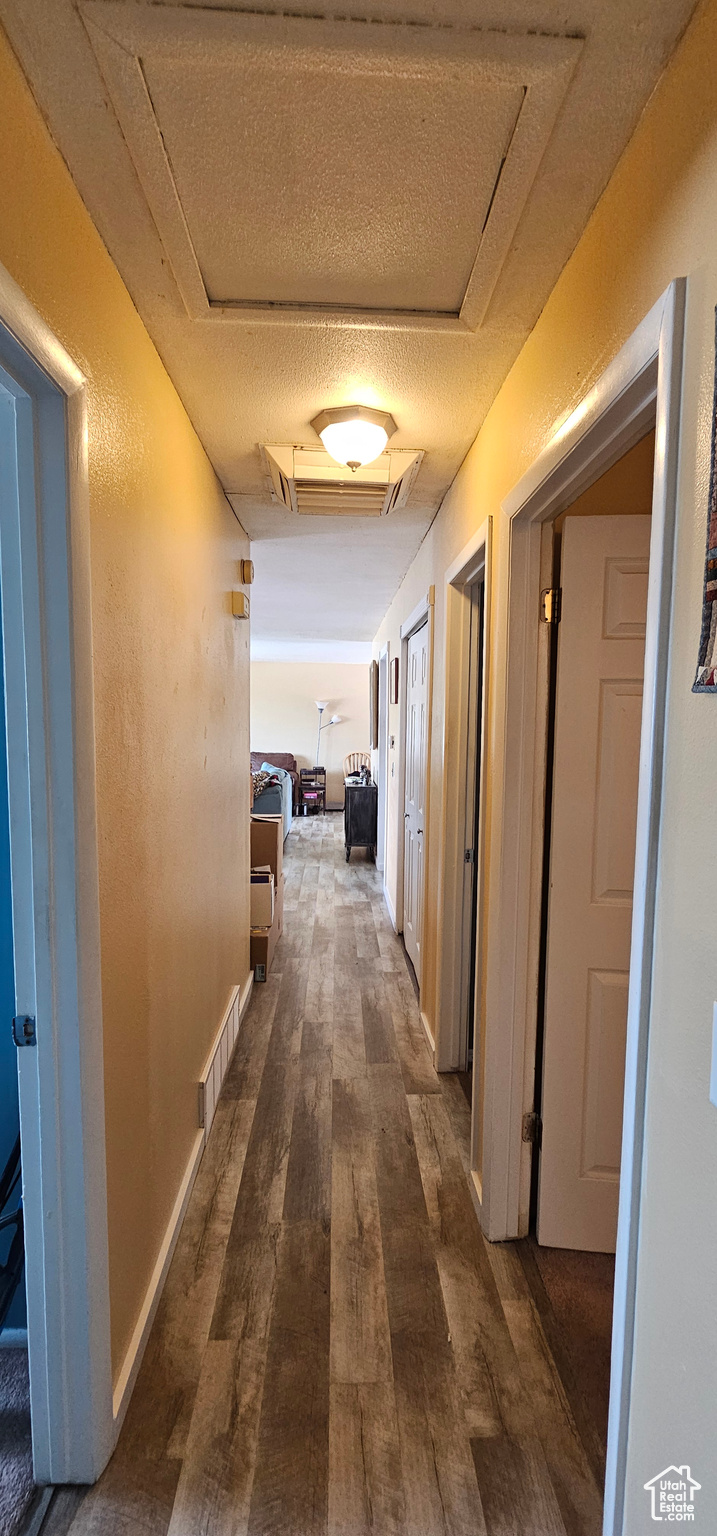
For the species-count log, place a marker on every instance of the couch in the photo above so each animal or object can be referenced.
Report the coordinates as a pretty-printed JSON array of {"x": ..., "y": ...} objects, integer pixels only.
[
  {"x": 281, "y": 760},
  {"x": 276, "y": 798}
]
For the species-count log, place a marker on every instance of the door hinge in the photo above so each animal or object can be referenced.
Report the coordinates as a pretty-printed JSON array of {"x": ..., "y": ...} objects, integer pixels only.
[
  {"x": 550, "y": 605},
  {"x": 469, "y": 856},
  {"x": 23, "y": 1029},
  {"x": 532, "y": 1128}
]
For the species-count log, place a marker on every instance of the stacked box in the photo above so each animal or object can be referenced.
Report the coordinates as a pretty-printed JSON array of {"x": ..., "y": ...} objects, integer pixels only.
[{"x": 267, "y": 850}]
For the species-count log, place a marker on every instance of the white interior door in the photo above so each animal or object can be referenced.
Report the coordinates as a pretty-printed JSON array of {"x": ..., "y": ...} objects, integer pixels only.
[
  {"x": 601, "y": 643},
  {"x": 415, "y": 793}
]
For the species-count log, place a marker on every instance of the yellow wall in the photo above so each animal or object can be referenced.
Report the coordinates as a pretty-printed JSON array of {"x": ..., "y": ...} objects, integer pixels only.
[
  {"x": 656, "y": 221},
  {"x": 625, "y": 490},
  {"x": 284, "y": 717},
  {"x": 171, "y": 694}
]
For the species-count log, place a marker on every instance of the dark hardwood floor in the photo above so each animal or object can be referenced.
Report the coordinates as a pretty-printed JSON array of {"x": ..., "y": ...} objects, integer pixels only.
[{"x": 337, "y": 1349}]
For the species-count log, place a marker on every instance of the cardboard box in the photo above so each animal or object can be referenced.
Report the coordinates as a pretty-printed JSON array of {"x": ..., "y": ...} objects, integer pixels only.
[
  {"x": 262, "y": 899},
  {"x": 267, "y": 844},
  {"x": 263, "y": 941}
]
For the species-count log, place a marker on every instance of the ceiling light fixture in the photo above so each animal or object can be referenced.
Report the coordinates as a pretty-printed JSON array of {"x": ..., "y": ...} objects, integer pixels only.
[{"x": 354, "y": 434}]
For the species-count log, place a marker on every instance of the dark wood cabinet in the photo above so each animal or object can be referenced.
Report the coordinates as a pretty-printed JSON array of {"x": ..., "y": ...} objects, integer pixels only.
[{"x": 360, "y": 817}]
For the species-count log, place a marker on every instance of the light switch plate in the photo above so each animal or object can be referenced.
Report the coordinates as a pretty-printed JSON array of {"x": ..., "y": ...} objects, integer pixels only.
[{"x": 713, "y": 1068}]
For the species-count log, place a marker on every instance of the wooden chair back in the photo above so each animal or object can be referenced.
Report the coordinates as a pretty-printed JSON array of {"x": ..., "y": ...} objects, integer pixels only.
[{"x": 355, "y": 761}]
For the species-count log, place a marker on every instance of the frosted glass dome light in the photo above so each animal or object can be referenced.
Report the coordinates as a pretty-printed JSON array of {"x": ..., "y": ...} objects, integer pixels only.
[
  {"x": 354, "y": 434},
  {"x": 354, "y": 442}
]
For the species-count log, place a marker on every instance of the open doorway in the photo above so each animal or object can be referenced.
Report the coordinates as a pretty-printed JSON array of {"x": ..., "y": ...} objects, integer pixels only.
[
  {"x": 468, "y": 983},
  {"x": 54, "y": 992},
  {"x": 595, "y": 609},
  {"x": 414, "y": 793},
  {"x": 16, "y": 1468}
]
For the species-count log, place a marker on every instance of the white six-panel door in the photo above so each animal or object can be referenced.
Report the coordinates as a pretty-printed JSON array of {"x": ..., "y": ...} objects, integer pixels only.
[
  {"x": 415, "y": 793},
  {"x": 601, "y": 644}
]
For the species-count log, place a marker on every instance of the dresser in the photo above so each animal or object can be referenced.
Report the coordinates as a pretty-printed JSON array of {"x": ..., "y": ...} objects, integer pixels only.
[{"x": 360, "y": 817}]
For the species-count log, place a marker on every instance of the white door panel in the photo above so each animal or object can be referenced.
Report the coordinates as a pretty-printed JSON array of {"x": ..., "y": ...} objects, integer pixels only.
[
  {"x": 415, "y": 793},
  {"x": 598, "y": 714}
]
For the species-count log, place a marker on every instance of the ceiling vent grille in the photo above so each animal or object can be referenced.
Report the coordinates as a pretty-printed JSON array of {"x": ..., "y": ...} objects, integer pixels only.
[{"x": 308, "y": 481}]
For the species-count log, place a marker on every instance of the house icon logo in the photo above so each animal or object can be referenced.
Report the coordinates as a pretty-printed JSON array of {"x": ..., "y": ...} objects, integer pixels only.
[{"x": 672, "y": 1495}]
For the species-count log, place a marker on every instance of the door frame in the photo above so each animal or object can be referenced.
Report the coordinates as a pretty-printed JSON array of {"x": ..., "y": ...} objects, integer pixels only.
[
  {"x": 422, "y": 613},
  {"x": 46, "y": 588},
  {"x": 382, "y": 759},
  {"x": 641, "y": 387},
  {"x": 472, "y": 564}
]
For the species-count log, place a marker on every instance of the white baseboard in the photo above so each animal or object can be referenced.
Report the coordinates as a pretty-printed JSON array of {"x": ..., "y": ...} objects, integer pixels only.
[
  {"x": 390, "y": 908},
  {"x": 475, "y": 1186},
  {"x": 214, "y": 1070},
  {"x": 215, "y": 1066},
  {"x": 13, "y": 1338},
  {"x": 429, "y": 1035},
  {"x": 133, "y": 1358}
]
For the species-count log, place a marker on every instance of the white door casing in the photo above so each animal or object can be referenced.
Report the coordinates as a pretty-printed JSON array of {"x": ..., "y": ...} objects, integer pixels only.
[
  {"x": 45, "y": 585},
  {"x": 469, "y": 977},
  {"x": 471, "y": 565},
  {"x": 382, "y": 753},
  {"x": 640, "y": 388},
  {"x": 415, "y": 793},
  {"x": 598, "y": 715}
]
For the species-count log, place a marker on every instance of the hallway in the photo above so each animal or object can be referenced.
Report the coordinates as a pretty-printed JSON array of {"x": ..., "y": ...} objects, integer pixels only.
[{"x": 337, "y": 1349}]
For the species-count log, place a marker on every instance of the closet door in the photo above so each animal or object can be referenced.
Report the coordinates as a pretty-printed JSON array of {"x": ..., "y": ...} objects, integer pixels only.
[{"x": 598, "y": 716}]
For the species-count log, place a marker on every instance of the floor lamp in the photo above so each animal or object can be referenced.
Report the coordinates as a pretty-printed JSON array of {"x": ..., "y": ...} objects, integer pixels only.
[{"x": 321, "y": 705}]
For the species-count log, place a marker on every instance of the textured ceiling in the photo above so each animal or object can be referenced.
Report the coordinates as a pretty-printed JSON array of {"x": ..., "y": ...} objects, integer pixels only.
[{"x": 312, "y": 211}]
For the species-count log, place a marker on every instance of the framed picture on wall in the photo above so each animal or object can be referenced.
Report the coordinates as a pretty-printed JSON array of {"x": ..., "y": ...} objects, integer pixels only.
[
  {"x": 373, "y": 704},
  {"x": 393, "y": 681}
]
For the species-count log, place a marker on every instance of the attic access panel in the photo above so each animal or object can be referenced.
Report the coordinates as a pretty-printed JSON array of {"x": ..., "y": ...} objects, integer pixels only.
[{"x": 302, "y": 167}]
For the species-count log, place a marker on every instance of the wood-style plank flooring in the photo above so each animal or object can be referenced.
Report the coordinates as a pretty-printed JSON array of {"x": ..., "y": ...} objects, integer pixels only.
[{"x": 337, "y": 1349}]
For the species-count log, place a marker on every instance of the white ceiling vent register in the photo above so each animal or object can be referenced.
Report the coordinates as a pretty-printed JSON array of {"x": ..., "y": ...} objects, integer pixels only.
[{"x": 307, "y": 480}]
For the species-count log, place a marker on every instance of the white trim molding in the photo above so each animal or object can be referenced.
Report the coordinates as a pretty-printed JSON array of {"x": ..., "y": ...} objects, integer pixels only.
[
  {"x": 220, "y": 1054},
  {"x": 390, "y": 908},
  {"x": 210, "y": 1083},
  {"x": 45, "y": 583},
  {"x": 640, "y": 388},
  {"x": 133, "y": 1358},
  {"x": 649, "y": 813},
  {"x": 470, "y": 563},
  {"x": 381, "y": 756},
  {"x": 428, "y": 1034},
  {"x": 468, "y": 567},
  {"x": 418, "y": 614}
]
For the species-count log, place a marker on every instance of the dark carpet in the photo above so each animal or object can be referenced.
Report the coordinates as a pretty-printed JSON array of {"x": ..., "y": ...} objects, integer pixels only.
[
  {"x": 573, "y": 1293},
  {"x": 16, "y": 1484}
]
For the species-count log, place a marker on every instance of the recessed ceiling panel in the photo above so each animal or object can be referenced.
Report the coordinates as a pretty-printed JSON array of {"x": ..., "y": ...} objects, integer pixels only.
[
  {"x": 311, "y": 164},
  {"x": 300, "y": 187}
]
